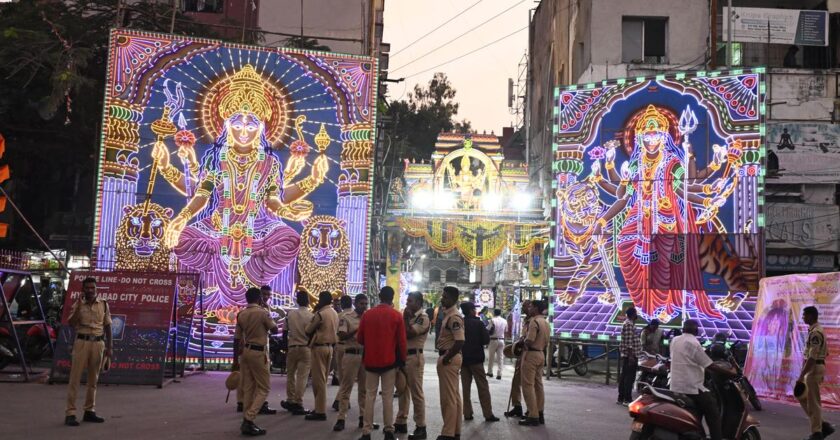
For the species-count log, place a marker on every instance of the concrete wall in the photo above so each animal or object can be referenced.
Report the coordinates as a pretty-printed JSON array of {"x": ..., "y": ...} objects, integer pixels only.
[
  {"x": 686, "y": 37},
  {"x": 346, "y": 19}
]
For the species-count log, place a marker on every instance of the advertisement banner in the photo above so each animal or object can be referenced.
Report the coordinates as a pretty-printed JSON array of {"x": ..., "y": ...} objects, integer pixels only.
[
  {"x": 141, "y": 306},
  {"x": 803, "y": 226},
  {"x": 750, "y": 25},
  {"x": 804, "y": 152},
  {"x": 775, "y": 356}
]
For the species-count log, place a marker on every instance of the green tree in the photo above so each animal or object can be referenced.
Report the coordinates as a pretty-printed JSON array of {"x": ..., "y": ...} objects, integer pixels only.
[
  {"x": 305, "y": 43},
  {"x": 429, "y": 110},
  {"x": 53, "y": 59}
]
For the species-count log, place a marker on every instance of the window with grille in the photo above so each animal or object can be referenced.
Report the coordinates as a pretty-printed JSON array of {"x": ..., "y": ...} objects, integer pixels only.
[{"x": 643, "y": 40}]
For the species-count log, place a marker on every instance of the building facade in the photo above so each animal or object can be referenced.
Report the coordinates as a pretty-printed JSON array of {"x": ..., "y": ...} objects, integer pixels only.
[{"x": 589, "y": 41}]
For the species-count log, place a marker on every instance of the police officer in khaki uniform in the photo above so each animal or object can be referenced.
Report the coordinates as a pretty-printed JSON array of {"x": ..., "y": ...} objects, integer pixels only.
[
  {"x": 449, "y": 344},
  {"x": 533, "y": 360},
  {"x": 251, "y": 344},
  {"x": 410, "y": 384},
  {"x": 516, "y": 382},
  {"x": 323, "y": 332},
  {"x": 265, "y": 292},
  {"x": 351, "y": 362},
  {"x": 346, "y": 308},
  {"x": 298, "y": 356},
  {"x": 91, "y": 320},
  {"x": 812, "y": 374}
]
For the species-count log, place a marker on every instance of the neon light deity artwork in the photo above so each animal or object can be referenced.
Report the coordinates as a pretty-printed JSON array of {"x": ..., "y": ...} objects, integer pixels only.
[
  {"x": 217, "y": 157},
  {"x": 657, "y": 201}
]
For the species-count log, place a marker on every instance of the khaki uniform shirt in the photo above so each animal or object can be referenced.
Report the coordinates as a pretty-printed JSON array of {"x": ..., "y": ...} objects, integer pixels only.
[
  {"x": 420, "y": 324},
  {"x": 451, "y": 329},
  {"x": 536, "y": 334},
  {"x": 348, "y": 322},
  {"x": 90, "y": 318},
  {"x": 816, "y": 348},
  {"x": 296, "y": 322},
  {"x": 253, "y": 324},
  {"x": 324, "y": 325}
]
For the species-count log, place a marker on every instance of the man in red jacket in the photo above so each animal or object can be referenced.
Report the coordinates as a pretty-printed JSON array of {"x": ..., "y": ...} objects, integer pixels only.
[{"x": 382, "y": 333}]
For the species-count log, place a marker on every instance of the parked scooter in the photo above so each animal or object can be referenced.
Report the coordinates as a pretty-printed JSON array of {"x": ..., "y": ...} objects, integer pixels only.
[
  {"x": 718, "y": 351},
  {"x": 660, "y": 414},
  {"x": 653, "y": 370}
]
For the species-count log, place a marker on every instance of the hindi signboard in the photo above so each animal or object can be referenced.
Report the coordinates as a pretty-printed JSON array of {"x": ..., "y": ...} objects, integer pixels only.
[
  {"x": 786, "y": 26},
  {"x": 141, "y": 306},
  {"x": 775, "y": 356}
]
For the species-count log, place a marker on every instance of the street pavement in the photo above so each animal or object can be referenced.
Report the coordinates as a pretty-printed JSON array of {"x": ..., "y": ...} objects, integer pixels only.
[{"x": 195, "y": 407}]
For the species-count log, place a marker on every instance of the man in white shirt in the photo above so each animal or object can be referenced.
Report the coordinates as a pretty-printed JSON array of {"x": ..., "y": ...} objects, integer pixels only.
[
  {"x": 497, "y": 328},
  {"x": 688, "y": 365}
]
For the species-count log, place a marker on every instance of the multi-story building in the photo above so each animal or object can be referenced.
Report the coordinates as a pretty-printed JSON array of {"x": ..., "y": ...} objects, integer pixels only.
[{"x": 585, "y": 41}]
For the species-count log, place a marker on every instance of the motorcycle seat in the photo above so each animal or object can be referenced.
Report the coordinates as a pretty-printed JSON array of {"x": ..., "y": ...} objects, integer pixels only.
[{"x": 681, "y": 400}]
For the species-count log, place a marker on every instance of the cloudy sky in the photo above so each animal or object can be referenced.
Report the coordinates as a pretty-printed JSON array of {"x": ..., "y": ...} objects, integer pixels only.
[{"x": 480, "y": 78}]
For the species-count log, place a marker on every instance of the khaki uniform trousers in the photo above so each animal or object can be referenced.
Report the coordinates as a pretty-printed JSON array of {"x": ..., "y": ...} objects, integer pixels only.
[
  {"x": 532, "y": 382},
  {"x": 451, "y": 405},
  {"x": 338, "y": 354},
  {"x": 372, "y": 379},
  {"x": 810, "y": 399},
  {"x": 495, "y": 355},
  {"x": 321, "y": 357},
  {"x": 468, "y": 374},
  {"x": 256, "y": 381},
  {"x": 297, "y": 368},
  {"x": 87, "y": 355},
  {"x": 410, "y": 387},
  {"x": 516, "y": 383},
  {"x": 351, "y": 371}
]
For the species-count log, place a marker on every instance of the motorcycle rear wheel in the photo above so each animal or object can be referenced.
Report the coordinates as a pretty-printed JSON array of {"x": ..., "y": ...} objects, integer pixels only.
[{"x": 751, "y": 434}]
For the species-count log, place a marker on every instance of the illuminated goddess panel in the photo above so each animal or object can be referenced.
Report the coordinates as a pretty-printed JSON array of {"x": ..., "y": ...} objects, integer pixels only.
[
  {"x": 250, "y": 166},
  {"x": 657, "y": 202}
]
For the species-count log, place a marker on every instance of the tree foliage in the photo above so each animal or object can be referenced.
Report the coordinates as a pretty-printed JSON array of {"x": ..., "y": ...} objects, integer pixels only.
[
  {"x": 53, "y": 59},
  {"x": 429, "y": 110}
]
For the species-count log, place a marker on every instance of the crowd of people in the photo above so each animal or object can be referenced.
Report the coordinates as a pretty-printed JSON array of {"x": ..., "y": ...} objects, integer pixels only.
[{"x": 382, "y": 349}]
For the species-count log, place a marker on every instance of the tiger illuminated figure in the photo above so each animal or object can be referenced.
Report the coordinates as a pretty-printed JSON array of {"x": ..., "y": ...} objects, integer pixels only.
[
  {"x": 579, "y": 210},
  {"x": 139, "y": 238},
  {"x": 324, "y": 256}
]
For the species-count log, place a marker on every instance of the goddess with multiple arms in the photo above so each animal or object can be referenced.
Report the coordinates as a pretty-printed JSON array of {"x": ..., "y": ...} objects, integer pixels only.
[
  {"x": 666, "y": 202},
  {"x": 241, "y": 196}
]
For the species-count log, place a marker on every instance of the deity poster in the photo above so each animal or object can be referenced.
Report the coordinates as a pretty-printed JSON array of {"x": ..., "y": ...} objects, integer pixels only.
[
  {"x": 658, "y": 202},
  {"x": 250, "y": 166}
]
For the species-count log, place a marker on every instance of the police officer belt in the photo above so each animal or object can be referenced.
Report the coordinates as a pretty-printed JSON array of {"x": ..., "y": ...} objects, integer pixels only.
[
  {"x": 443, "y": 353},
  {"x": 297, "y": 346},
  {"x": 352, "y": 351},
  {"x": 534, "y": 349},
  {"x": 323, "y": 345},
  {"x": 414, "y": 351},
  {"x": 90, "y": 337},
  {"x": 255, "y": 347}
]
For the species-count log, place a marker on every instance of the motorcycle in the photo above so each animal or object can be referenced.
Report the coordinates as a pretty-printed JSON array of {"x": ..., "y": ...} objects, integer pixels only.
[
  {"x": 653, "y": 370},
  {"x": 660, "y": 414},
  {"x": 33, "y": 341}
]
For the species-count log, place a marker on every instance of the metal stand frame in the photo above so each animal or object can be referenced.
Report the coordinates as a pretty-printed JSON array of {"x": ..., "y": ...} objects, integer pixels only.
[{"x": 7, "y": 320}]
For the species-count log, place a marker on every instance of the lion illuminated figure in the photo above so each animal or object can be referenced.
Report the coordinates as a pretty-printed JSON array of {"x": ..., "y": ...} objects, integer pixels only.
[
  {"x": 324, "y": 255},
  {"x": 139, "y": 239}
]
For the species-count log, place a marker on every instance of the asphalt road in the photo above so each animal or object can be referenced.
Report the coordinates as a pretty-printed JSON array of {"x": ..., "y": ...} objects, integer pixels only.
[{"x": 195, "y": 407}]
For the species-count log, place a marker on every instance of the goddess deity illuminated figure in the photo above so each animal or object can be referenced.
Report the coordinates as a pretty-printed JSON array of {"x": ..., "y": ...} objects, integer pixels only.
[
  {"x": 667, "y": 203},
  {"x": 238, "y": 239}
]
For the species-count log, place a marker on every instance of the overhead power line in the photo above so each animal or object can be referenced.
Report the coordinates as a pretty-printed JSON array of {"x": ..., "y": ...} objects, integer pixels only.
[
  {"x": 458, "y": 37},
  {"x": 435, "y": 29},
  {"x": 462, "y": 56}
]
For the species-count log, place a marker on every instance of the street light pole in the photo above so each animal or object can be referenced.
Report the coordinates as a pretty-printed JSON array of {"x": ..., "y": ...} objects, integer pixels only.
[{"x": 729, "y": 34}]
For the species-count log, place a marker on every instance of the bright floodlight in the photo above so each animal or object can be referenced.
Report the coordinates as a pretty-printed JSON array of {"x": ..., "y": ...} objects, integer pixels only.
[
  {"x": 413, "y": 288},
  {"x": 417, "y": 275},
  {"x": 491, "y": 202},
  {"x": 421, "y": 200},
  {"x": 522, "y": 201},
  {"x": 444, "y": 200}
]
